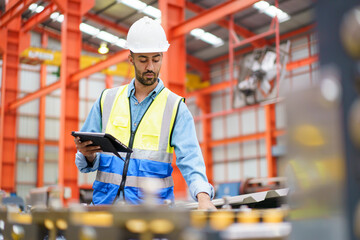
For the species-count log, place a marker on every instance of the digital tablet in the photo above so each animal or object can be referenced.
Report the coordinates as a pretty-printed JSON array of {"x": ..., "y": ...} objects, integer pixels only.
[{"x": 106, "y": 141}]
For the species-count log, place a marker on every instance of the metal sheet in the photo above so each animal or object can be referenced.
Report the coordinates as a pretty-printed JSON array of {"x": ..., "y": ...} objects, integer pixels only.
[{"x": 243, "y": 199}]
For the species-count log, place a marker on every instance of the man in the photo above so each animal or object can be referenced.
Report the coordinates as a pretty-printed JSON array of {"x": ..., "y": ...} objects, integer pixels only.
[{"x": 153, "y": 121}]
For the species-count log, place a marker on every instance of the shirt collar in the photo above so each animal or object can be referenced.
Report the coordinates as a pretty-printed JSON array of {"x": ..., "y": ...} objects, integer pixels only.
[{"x": 152, "y": 94}]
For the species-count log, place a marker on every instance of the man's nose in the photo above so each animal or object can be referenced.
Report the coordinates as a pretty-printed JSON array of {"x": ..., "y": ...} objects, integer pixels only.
[{"x": 150, "y": 66}]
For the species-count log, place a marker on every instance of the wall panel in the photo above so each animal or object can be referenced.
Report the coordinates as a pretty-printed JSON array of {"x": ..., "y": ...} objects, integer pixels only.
[
  {"x": 52, "y": 129},
  {"x": 28, "y": 127}
]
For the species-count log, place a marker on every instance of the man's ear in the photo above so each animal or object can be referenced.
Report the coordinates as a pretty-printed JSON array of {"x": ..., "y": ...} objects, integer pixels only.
[{"x": 131, "y": 60}]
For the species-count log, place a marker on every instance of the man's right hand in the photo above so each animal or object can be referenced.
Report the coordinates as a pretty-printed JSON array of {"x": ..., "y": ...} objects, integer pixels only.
[{"x": 88, "y": 151}]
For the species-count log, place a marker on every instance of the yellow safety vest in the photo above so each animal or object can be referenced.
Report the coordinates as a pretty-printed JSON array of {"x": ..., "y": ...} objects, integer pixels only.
[{"x": 152, "y": 151}]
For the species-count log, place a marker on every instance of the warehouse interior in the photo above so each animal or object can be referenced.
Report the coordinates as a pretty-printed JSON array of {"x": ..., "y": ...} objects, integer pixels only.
[{"x": 272, "y": 85}]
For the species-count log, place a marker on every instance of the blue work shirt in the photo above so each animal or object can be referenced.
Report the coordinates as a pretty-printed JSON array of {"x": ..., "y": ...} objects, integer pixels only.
[{"x": 189, "y": 158}]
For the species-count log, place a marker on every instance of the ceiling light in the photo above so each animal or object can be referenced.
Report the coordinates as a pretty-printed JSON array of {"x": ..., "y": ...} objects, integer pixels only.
[
  {"x": 103, "y": 49},
  {"x": 88, "y": 29},
  {"x": 33, "y": 6},
  {"x": 271, "y": 10},
  {"x": 60, "y": 18},
  {"x": 212, "y": 39},
  {"x": 54, "y": 15},
  {"x": 262, "y": 5},
  {"x": 197, "y": 32},
  {"x": 143, "y": 7},
  {"x": 207, "y": 37},
  {"x": 121, "y": 43},
  {"x": 103, "y": 35},
  {"x": 153, "y": 12},
  {"x": 136, "y": 4},
  {"x": 283, "y": 16},
  {"x": 39, "y": 9}
]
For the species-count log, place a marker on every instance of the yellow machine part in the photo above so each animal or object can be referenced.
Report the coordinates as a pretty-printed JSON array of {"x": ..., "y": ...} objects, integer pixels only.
[{"x": 193, "y": 82}]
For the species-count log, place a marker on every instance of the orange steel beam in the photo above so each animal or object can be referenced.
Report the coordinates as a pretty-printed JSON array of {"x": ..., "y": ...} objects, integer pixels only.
[
  {"x": 272, "y": 40},
  {"x": 56, "y": 35},
  {"x": 109, "y": 81},
  {"x": 225, "y": 112},
  {"x": 36, "y": 141},
  {"x": 15, "y": 10},
  {"x": 84, "y": 8},
  {"x": 296, "y": 32},
  {"x": 114, "y": 59},
  {"x": 270, "y": 138},
  {"x": 107, "y": 23},
  {"x": 39, "y": 18},
  {"x": 302, "y": 62},
  {"x": 32, "y": 96},
  {"x": 210, "y": 16},
  {"x": 196, "y": 63},
  {"x": 242, "y": 138},
  {"x": 199, "y": 65},
  {"x": 203, "y": 103},
  {"x": 225, "y": 24},
  {"x": 41, "y": 142},
  {"x": 174, "y": 66},
  {"x": 254, "y": 38},
  {"x": 69, "y": 111},
  {"x": 122, "y": 56},
  {"x": 232, "y": 39},
  {"x": 211, "y": 89},
  {"x": 9, "y": 88},
  {"x": 51, "y": 33}
]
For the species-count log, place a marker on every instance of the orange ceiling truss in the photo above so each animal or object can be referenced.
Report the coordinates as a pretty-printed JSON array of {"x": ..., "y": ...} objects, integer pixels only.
[
  {"x": 39, "y": 18},
  {"x": 288, "y": 35},
  {"x": 196, "y": 63},
  {"x": 54, "y": 34},
  {"x": 210, "y": 16},
  {"x": 245, "y": 33},
  {"x": 122, "y": 55},
  {"x": 107, "y": 23},
  {"x": 302, "y": 62},
  {"x": 15, "y": 9}
]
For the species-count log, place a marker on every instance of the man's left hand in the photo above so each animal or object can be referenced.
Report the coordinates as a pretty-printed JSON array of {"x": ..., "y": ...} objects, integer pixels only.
[{"x": 204, "y": 202}]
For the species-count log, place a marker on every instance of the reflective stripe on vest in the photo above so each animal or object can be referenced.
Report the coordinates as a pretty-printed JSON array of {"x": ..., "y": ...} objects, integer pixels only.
[
  {"x": 107, "y": 99},
  {"x": 158, "y": 156},
  {"x": 133, "y": 181}
]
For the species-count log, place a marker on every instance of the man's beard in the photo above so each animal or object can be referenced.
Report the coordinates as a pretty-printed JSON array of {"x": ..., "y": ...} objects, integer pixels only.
[{"x": 145, "y": 80}]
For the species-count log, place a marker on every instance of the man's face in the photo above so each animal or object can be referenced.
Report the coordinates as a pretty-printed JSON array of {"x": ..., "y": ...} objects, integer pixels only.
[{"x": 147, "y": 67}]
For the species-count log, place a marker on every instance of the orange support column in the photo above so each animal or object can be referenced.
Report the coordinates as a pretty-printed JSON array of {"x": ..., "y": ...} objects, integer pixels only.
[
  {"x": 10, "y": 43},
  {"x": 174, "y": 66},
  {"x": 270, "y": 139},
  {"x": 69, "y": 120},
  {"x": 203, "y": 101},
  {"x": 173, "y": 71},
  {"x": 41, "y": 144},
  {"x": 109, "y": 81}
]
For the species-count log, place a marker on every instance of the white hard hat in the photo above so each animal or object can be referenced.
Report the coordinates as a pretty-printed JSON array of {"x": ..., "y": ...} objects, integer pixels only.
[{"x": 146, "y": 36}]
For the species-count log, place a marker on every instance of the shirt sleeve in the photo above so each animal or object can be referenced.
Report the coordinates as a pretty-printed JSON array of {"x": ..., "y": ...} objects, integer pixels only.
[
  {"x": 189, "y": 158},
  {"x": 92, "y": 124}
]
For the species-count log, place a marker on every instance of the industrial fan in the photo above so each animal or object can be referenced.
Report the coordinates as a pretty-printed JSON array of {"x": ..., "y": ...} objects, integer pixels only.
[{"x": 257, "y": 76}]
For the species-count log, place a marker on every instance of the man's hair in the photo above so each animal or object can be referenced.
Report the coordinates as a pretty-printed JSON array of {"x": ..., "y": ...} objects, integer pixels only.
[{"x": 132, "y": 54}]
